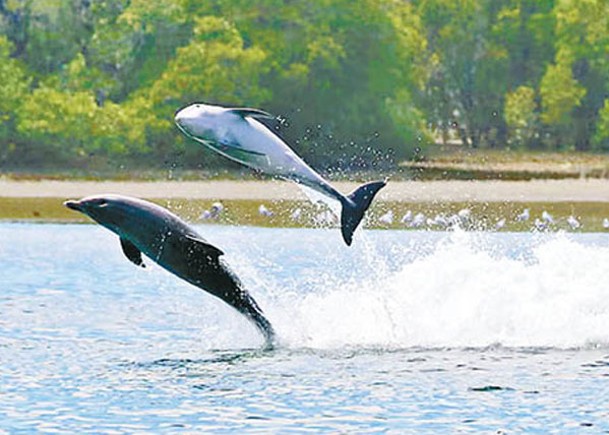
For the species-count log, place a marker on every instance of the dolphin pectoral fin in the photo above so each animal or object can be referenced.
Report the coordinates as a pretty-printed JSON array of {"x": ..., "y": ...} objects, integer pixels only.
[
  {"x": 254, "y": 113},
  {"x": 203, "y": 248},
  {"x": 233, "y": 149},
  {"x": 132, "y": 253}
]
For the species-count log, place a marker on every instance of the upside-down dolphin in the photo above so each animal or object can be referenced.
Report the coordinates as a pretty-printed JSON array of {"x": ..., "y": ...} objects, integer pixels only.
[
  {"x": 238, "y": 135},
  {"x": 144, "y": 227}
]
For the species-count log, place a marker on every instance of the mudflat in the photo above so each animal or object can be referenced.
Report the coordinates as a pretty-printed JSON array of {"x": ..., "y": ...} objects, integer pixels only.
[{"x": 566, "y": 190}]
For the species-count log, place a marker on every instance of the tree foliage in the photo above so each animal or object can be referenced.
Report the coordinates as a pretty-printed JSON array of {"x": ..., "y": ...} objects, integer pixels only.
[{"x": 356, "y": 83}]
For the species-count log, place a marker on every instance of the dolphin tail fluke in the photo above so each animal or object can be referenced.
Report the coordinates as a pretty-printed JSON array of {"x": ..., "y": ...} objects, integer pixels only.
[{"x": 353, "y": 210}]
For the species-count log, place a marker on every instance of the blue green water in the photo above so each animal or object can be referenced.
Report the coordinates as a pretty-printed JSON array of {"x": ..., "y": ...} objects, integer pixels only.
[{"x": 405, "y": 331}]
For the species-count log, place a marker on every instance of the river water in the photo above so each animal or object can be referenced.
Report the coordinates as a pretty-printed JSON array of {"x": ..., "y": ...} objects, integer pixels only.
[{"x": 406, "y": 331}]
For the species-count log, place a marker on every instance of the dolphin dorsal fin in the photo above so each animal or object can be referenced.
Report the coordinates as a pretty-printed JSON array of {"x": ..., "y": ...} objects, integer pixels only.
[
  {"x": 132, "y": 253},
  {"x": 200, "y": 246},
  {"x": 254, "y": 113}
]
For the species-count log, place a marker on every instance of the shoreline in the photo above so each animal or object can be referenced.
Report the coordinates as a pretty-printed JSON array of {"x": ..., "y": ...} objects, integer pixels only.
[{"x": 551, "y": 191}]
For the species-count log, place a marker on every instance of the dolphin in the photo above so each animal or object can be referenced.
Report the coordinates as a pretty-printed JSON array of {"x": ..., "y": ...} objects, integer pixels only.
[
  {"x": 144, "y": 227},
  {"x": 237, "y": 134}
]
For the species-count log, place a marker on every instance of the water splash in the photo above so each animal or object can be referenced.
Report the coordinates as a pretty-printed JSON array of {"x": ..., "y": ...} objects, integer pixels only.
[
  {"x": 390, "y": 290},
  {"x": 465, "y": 291}
]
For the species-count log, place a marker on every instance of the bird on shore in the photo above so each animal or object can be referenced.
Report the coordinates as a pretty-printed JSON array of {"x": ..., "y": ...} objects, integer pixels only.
[
  {"x": 438, "y": 221},
  {"x": 464, "y": 214},
  {"x": 500, "y": 224},
  {"x": 325, "y": 218},
  {"x": 540, "y": 225},
  {"x": 524, "y": 216},
  {"x": 547, "y": 217},
  {"x": 263, "y": 211},
  {"x": 407, "y": 218},
  {"x": 295, "y": 215},
  {"x": 418, "y": 220},
  {"x": 387, "y": 218},
  {"x": 573, "y": 222},
  {"x": 214, "y": 212}
]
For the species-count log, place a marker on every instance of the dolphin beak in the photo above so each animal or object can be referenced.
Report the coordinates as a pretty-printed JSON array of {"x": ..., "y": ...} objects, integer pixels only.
[{"x": 73, "y": 205}]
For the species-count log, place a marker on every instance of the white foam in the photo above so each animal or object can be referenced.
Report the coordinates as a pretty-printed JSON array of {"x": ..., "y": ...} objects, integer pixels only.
[{"x": 460, "y": 294}]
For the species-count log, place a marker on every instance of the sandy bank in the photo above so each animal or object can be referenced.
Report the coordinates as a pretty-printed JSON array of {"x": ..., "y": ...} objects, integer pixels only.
[{"x": 580, "y": 190}]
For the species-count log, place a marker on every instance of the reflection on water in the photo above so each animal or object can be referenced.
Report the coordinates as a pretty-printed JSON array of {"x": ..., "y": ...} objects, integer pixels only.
[{"x": 412, "y": 331}]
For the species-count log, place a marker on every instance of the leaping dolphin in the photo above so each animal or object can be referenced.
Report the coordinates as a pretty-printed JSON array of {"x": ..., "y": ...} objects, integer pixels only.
[
  {"x": 238, "y": 135},
  {"x": 144, "y": 227}
]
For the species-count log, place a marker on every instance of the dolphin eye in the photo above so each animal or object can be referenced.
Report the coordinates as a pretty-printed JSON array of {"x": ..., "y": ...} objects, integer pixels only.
[{"x": 101, "y": 203}]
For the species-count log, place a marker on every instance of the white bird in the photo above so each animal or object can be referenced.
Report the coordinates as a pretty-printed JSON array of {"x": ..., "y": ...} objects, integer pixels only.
[
  {"x": 263, "y": 211},
  {"x": 500, "y": 224},
  {"x": 206, "y": 215},
  {"x": 540, "y": 225},
  {"x": 464, "y": 214},
  {"x": 418, "y": 220},
  {"x": 217, "y": 207},
  {"x": 440, "y": 221},
  {"x": 524, "y": 216},
  {"x": 547, "y": 217},
  {"x": 325, "y": 218},
  {"x": 573, "y": 222},
  {"x": 606, "y": 224},
  {"x": 407, "y": 218},
  {"x": 296, "y": 214},
  {"x": 454, "y": 220},
  {"x": 387, "y": 218},
  {"x": 214, "y": 212}
]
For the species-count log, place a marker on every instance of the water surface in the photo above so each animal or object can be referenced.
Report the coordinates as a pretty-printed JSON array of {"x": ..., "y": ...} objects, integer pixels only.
[{"x": 406, "y": 331}]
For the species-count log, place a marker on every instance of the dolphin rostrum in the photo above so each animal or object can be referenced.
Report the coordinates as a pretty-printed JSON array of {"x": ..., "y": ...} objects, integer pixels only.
[
  {"x": 237, "y": 134},
  {"x": 144, "y": 227}
]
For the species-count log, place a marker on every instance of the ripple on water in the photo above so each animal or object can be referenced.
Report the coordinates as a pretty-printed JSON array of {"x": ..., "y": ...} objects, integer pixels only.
[{"x": 410, "y": 331}]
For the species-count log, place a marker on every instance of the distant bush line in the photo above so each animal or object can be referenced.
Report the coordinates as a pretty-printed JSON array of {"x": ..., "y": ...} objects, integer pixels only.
[{"x": 356, "y": 84}]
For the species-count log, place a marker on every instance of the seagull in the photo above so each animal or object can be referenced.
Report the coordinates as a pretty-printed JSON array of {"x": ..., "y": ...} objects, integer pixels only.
[
  {"x": 540, "y": 225},
  {"x": 295, "y": 214},
  {"x": 214, "y": 212},
  {"x": 263, "y": 211},
  {"x": 387, "y": 218},
  {"x": 573, "y": 222},
  {"x": 464, "y": 214},
  {"x": 454, "y": 220},
  {"x": 407, "y": 218},
  {"x": 325, "y": 218},
  {"x": 440, "y": 221},
  {"x": 606, "y": 224},
  {"x": 524, "y": 216},
  {"x": 500, "y": 224},
  {"x": 547, "y": 217},
  {"x": 418, "y": 220}
]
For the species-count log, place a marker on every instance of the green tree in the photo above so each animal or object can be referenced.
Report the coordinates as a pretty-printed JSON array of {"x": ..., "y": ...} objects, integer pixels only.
[
  {"x": 524, "y": 33},
  {"x": 341, "y": 72},
  {"x": 601, "y": 137},
  {"x": 560, "y": 92},
  {"x": 574, "y": 86},
  {"x": 14, "y": 84},
  {"x": 469, "y": 77},
  {"x": 521, "y": 115}
]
